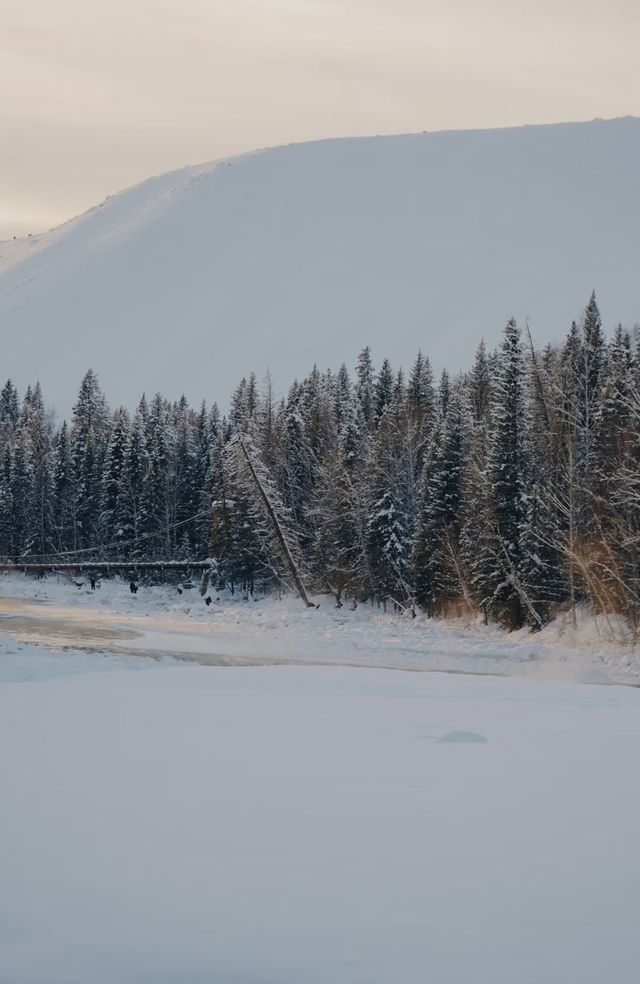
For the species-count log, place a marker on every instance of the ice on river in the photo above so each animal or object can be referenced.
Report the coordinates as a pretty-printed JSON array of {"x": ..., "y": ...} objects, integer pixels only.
[{"x": 305, "y": 824}]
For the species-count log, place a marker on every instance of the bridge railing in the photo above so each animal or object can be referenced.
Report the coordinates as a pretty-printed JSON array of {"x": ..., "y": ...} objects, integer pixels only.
[{"x": 36, "y": 565}]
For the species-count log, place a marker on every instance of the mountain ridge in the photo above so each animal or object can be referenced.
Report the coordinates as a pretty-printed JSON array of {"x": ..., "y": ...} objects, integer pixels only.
[
  {"x": 305, "y": 252},
  {"x": 216, "y": 162}
]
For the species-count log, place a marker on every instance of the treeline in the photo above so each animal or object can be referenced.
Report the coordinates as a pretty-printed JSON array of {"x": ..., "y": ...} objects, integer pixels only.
[{"x": 513, "y": 489}]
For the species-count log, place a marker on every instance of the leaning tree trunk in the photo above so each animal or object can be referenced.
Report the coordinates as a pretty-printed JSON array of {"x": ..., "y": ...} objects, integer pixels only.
[{"x": 277, "y": 527}]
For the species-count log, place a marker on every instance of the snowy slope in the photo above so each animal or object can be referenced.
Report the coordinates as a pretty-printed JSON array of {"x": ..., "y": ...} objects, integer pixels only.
[{"x": 306, "y": 253}]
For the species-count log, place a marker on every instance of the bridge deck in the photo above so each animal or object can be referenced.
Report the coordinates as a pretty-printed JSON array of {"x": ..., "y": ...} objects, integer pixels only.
[{"x": 104, "y": 567}]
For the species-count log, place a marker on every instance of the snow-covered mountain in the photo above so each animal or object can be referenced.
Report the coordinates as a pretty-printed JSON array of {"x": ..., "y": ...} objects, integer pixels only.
[{"x": 305, "y": 253}]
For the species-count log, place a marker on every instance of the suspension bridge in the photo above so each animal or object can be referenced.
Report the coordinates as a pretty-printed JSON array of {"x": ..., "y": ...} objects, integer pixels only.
[{"x": 162, "y": 570}]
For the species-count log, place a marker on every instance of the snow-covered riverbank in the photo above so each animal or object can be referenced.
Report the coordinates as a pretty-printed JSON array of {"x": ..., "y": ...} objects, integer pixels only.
[{"x": 159, "y": 621}]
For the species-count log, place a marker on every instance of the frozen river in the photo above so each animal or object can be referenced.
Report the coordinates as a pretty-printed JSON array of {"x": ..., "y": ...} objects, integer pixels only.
[
  {"x": 36, "y": 621},
  {"x": 210, "y": 643},
  {"x": 296, "y": 825},
  {"x": 70, "y": 627},
  {"x": 164, "y": 822}
]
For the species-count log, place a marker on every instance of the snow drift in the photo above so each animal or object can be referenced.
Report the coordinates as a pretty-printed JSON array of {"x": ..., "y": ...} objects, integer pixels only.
[{"x": 308, "y": 252}]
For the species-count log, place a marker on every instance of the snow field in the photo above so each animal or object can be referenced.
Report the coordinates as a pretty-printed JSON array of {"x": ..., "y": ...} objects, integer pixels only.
[{"x": 298, "y": 825}]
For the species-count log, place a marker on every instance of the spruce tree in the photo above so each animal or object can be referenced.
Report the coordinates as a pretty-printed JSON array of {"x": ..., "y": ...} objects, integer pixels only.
[
  {"x": 23, "y": 515},
  {"x": 506, "y": 485},
  {"x": 130, "y": 526},
  {"x": 388, "y": 530},
  {"x": 420, "y": 396},
  {"x": 112, "y": 476},
  {"x": 436, "y": 557},
  {"x": 62, "y": 491},
  {"x": 383, "y": 390},
  {"x": 6, "y": 503},
  {"x": 34, "y": 418},
  {"x": 364, "y": 386},
  {"x": 88, "y": 438},
  {"x": 9, "y": 411}
]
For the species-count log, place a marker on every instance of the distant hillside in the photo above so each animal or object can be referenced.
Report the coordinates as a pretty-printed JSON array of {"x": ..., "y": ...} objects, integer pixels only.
[{"x": 306, "y": 253}]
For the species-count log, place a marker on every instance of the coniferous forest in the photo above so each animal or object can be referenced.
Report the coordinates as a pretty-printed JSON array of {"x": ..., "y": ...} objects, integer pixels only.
[{"x": 512, "y": 489}]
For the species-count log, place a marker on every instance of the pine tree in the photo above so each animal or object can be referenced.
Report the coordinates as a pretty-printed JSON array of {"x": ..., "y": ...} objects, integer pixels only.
[
  {"x": 130, "y": 526},
  {"x": 476, "y": 533},
  {"x": 112, "y": 476},
  {"x": 9, "y": 412},
  {"x": 383, "y": 391},
  {"x": 23, "y": 519},
  {"x": 342, "y": 396},
  {"x": 156, "y": 513},
  {"x": 33, "y": 417},
  {"x": 388, "y": 532},
  {"x": 62, "y": 491},
  {"x": 420, "y": 396},
  {"x": 614, "y": 558},
  {"x": 88, "y": 438},
  {"x": 295, "y": 466},
  {"x": 364, "y": 386},
  {"x": 222, "y": 516},
  {"x": 437, "y": 563},
  {"x": 338, "y": 510},
  {"x": 6, "y": 503},
  {"x": 207, "y": 433},
  {"x": 444, "y": 392},
  {"x": 187, "y": 489},
  {"x": 480, "y": 388},
  {"x": 589, "y": 385},
  {"x": 614, "y": 406},
  {"x": 541, "y": 538},
  {"x": 506, "y": 485},
  {"x": 541, "y": 554}
]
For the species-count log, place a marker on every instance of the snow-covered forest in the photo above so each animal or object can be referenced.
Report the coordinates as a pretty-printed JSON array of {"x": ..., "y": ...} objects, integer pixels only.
[{"x": 512, "y": 489}]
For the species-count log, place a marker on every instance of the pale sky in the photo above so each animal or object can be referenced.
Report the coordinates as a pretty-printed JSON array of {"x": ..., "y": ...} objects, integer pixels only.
[{"x": 96, "y": 95}]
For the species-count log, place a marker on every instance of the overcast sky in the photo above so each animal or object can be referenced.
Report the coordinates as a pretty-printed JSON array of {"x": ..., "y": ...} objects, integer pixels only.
[{"x": 98, "y": 94}]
